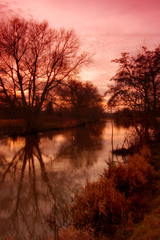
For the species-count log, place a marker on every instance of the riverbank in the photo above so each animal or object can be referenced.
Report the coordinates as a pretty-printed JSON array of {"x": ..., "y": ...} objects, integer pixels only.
[
  {"x": 122, "y": 204},
  {"x": 148, "y": 228},
  {"x": 16, "y": 127},
  {"x": 61, "y": 161}
]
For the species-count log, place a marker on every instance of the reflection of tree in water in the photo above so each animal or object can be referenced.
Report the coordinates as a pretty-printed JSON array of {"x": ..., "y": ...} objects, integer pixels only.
[
  {"x": 81, "y": 145},
  {"x": 126, "y": 123},
  {"x": 31, "y": 193},
  {"x": 26, "y": 204}
]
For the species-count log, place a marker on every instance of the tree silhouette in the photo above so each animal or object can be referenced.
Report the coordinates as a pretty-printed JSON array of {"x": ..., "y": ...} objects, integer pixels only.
[
  {"x": 34, "y": 60},
  {"x": 137, "y": 82},
  {"x": 81, "y": 100}
]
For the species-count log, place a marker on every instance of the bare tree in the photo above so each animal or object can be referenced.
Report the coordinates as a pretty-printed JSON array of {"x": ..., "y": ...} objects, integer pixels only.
[
  {"x": 137, "y": 81},
  {"x": 34, "y": 60}
]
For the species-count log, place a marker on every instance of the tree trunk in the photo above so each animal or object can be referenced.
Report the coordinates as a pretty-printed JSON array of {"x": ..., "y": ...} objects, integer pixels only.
[{"x": 30, "y": 119}]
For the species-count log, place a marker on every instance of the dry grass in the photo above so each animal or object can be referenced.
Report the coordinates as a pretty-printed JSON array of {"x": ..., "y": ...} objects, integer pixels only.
[
  {"x": 118, "y": 199},
  {"x": 149, "y": 228},
  {"x": 100, "y": 206},
  {"x": 73, "y": 234},
  {"x": 111, "y": 207}
]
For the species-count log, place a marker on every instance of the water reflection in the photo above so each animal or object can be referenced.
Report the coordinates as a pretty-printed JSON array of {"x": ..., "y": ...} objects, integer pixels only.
[
  {"x": 81, "y": 144},
  {"x": 39, "y": 176}
]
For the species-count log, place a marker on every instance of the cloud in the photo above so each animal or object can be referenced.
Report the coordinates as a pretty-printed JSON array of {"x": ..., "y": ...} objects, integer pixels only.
[
  {"x": 10, "y": 8},
  {"x": 4, "y": 9},
  {"x": 105, "y": 27}
]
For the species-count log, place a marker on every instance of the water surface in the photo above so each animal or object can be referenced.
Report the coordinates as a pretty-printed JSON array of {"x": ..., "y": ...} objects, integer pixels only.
[{"x": 39, "y": 176}]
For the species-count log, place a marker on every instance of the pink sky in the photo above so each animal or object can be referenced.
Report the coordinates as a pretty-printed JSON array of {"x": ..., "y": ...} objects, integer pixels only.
[{"x": 105, "y": 27}]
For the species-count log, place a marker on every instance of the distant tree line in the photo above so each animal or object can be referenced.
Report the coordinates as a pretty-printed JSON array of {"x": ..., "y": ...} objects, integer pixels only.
[{"x": 80, "y": 100}]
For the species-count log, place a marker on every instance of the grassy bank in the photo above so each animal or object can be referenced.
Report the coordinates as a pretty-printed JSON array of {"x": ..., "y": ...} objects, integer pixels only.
[
  {"x": 122, "y": 204},
  {"x": 148, "y": 228},
  {"x": 10, "y": 126},
  {"x": 18, "y": 127}
]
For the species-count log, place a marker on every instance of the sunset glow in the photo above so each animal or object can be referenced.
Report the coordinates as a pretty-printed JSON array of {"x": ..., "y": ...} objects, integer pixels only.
[{"x": 105, "y": 28}]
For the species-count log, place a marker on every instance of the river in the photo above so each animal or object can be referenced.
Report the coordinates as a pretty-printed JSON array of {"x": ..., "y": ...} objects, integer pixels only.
[{"x": 39, "y": 176}]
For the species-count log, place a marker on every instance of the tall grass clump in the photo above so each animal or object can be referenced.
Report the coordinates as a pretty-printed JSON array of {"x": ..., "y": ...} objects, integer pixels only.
[
  {"x": 120, "y": 197},
  {"x": 100, "y": 206}
]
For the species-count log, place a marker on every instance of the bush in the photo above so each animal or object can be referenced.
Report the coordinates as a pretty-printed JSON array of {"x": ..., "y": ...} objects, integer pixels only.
[
  {"x": 133, "y": 177},
  {"x": 100, "y": 206},
  {"x": 118, "y": 199},
  {"x": 135, "y": 180}
]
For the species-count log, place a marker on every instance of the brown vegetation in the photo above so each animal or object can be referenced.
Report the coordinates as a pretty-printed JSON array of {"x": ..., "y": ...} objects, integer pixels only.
[
  {"x": 72, "y": 233},
  {"x": 149, "y": 228},
  {"x": 113, "y": 204}
]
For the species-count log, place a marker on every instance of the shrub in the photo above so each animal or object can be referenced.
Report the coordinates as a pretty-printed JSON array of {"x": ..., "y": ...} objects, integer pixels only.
[
  {"x": 119, "y": 196},
  {"x": 100, "y": 206},
  {"x": 132, "y": 177},
  {"x": 135, "y": 180}
]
